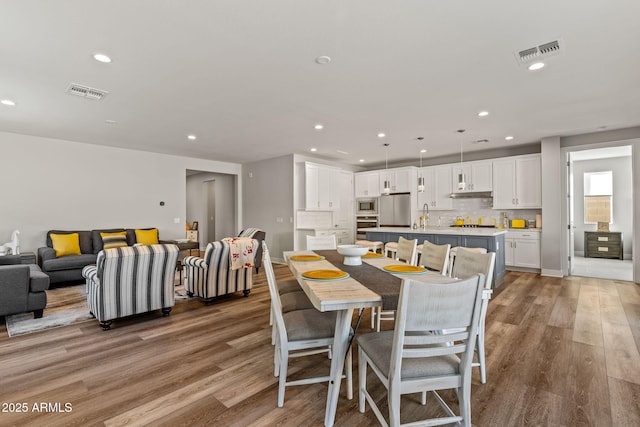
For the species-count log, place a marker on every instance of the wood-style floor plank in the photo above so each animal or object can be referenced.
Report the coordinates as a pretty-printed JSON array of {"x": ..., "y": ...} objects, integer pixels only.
[{"x": 560, "y": 352}]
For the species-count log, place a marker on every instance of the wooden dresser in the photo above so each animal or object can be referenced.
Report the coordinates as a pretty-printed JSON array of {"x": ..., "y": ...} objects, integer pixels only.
[{"x": 601, "y": 244}]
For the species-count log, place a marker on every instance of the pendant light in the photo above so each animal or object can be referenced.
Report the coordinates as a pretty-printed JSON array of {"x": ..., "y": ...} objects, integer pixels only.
[
  {"x": 461, "y": 178},
  {"x": 387, "y": 183},
  {"x": 420, "y": 177}
]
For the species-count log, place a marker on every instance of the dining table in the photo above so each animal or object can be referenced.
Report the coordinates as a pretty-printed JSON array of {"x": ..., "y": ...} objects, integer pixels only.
[{"x": 367, "y": 285}]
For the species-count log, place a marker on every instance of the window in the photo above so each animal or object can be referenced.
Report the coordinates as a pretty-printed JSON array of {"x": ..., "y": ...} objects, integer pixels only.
[{"x": 598, "y": 195}]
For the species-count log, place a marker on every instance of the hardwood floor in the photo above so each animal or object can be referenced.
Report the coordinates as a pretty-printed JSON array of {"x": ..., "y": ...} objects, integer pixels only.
[{"x": 559, "y": 352}]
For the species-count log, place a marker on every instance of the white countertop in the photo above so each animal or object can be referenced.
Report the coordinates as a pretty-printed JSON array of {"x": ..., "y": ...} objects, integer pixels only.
[{"x": 456, "y": 231}]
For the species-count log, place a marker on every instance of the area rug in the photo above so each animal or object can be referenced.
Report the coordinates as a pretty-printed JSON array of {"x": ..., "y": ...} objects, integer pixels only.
[{"x": 65, "y": 306}]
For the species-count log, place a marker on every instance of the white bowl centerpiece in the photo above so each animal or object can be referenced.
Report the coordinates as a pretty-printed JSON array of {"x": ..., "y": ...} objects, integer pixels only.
[{"x": 352, "y": 253}]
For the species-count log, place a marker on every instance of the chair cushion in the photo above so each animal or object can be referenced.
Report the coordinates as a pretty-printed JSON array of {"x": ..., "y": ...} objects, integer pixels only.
[
  {"x": 147, "y": 237},
  {"x": 69, "y": 262},
  {"x": 295, "y": 301},
  {"x": 114, "y": 240},
  {"x": 378, "y": 347},
  {"x": 286, "y": 286},
  {"x": 66, "y": 244},
  {"x": 309, "y": 324},
  {"x": 86, "y": 245}
]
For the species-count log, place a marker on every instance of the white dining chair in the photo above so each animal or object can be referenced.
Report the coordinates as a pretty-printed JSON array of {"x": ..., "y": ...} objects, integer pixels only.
[
  {"x": 410, "y": 359},
  {"x": 407, "y": 252},
  {"x": 467, "y": 264},
  {"x": 300, "y": 333},
  {"x": 321, "y": 242},
  {"x": 435, "y": 257},
  {"x": 454, "y": 251}
]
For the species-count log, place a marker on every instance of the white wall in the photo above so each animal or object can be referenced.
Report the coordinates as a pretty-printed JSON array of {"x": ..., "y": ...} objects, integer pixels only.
[
  {"x": 622, "y": 199},
  {"x": 56, "y": 184},
  {"x": 225, "y": 205},
  {"x": 268, "y": 202},
  {"x": 551, "y": 254}
]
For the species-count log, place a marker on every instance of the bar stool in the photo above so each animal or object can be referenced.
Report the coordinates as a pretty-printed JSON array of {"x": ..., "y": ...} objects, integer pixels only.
[
  {"x": 372, "y": 245},
  {"x": 390, "y": 249},
  {"x": 452, "y": 254}
]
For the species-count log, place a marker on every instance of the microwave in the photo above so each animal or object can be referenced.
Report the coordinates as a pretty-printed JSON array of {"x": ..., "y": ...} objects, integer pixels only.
[{"x": 367, "y": 206}]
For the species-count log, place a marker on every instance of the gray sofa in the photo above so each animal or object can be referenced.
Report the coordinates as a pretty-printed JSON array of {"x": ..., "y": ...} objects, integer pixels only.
[
  {"x": 69, "y": 268},
  {"x": 22, "y": 287}
]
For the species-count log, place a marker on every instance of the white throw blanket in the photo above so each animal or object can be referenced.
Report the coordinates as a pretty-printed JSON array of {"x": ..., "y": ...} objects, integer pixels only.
[{"x": 241, "y": 252}]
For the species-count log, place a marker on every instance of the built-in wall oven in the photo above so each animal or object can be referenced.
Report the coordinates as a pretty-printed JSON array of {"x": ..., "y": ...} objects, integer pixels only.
[{"x": 365, "y": 221}]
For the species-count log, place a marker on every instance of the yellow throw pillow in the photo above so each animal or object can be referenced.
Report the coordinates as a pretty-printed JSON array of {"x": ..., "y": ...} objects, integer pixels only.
[
  {"x": 147, "y": 237},
  {"x": 66, "y": 244},
  {"x": 114, "y": 240}
]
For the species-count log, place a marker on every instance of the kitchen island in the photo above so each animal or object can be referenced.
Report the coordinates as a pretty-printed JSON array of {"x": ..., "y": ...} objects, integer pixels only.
[{"x": 491, "y": 239}]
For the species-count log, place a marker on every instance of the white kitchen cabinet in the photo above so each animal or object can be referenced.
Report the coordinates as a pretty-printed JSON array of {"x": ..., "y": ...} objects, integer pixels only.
[
  {"x": 517, "y": 182},
  {"x": 437, "y": 188},
  {"x": 322, "y": 187},
  {"x": 402, "y": 180},
  {"x": 522, "y": 249},
  {"x": 367, "y": 184},
  {"x": 344, "y": 236},
  {"x": 344, "y": 217},
  {"x": 478, "y": 176}
]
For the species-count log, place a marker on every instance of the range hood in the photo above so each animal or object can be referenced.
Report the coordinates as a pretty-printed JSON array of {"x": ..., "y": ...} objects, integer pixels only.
[{"x": 472, "y": 195}]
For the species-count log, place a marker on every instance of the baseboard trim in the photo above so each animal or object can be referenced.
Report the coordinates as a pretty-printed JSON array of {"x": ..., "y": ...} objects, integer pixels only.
[{"x": 551, "y": 273}]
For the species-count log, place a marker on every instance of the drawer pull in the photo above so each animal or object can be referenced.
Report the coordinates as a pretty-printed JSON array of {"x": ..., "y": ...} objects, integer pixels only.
[
  {"x": 603, "y": 239},
  {"x": 603, "y": 249}
]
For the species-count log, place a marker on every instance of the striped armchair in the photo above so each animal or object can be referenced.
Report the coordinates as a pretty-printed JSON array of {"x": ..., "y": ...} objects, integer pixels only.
[
  {"x": 212, "y": 276},
  {"x": 131, "y": 280}
]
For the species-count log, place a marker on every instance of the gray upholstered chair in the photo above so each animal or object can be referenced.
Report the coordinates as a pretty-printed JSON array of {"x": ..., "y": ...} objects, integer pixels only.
[
  {"x": 213, "y": 276},
  {"x": 299, "y": 332},
  {"x": 411, "y": 359},
  {"x": 22, "y": 287},
  {"x": 259, "y": 235},
  {"x": 130, "y": 280}
]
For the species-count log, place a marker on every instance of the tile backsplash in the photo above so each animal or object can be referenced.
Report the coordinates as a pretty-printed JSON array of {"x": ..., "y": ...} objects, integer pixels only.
[{"x": 472, "y": 209}]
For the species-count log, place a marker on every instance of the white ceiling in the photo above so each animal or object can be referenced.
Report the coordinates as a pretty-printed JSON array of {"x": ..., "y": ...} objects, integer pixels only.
[{"x": 241, "y": 74}]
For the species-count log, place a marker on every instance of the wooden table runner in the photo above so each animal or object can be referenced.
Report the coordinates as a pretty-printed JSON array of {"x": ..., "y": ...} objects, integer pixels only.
[{"x": 382, "y": 283}]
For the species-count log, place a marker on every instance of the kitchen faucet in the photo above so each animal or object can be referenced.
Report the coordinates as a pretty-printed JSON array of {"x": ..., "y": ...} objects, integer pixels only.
[{"x": 425, "y": 207}]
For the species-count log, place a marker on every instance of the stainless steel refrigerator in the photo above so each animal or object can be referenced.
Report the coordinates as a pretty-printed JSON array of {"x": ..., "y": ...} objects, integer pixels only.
[{"x": 395, "y": 210}]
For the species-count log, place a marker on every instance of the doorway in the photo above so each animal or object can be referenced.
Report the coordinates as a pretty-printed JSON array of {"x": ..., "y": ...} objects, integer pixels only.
[{"x": 600, "y": 212}]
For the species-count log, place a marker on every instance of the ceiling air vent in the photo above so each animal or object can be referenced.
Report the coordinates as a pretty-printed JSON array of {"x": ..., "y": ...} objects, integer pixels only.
[
  {"x": 537, "y": 53},
  {"x": 86, "y": 91}
]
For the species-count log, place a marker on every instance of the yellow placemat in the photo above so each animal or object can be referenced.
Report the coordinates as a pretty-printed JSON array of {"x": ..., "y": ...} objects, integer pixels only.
[
  {"x": 404, "y": 269},
  {"x": 325, "y": 275},
  {"x": 372, "y": 255},
  {"x": 306, "y": 258}
]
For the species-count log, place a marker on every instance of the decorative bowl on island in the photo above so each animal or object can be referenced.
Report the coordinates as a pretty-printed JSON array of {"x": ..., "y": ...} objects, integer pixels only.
[{"x": 352, "y": 253}]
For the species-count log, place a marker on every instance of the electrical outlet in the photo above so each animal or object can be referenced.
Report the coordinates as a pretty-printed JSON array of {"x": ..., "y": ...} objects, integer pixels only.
[
  {"x": 279, "y": 219},
  {"x": 176, "y": 220}
]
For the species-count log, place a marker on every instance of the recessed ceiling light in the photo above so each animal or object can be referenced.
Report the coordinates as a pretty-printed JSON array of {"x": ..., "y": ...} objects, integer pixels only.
[
  {"x": 323, "y": 59},
  {"x": 110, "y": 122},
  {"x": 318, "y": 127},
  {"x": 480, "y": 141},
  {"x": 483, "y": 113},
  {"x": 8, "y": 102},
  {"x": 101, "y": 57},
  {"x": 192, "y": 137},
  {"x": 381, "y": 135},
  {"x": 424, "y": 150},
  {"x": 536, "y": 66},
  {"x": 602, "y": 127},
  {"x": 361, "y": 160},
  {"x": 508, "y": 138},
  {"x": 313, "y": 150}
]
